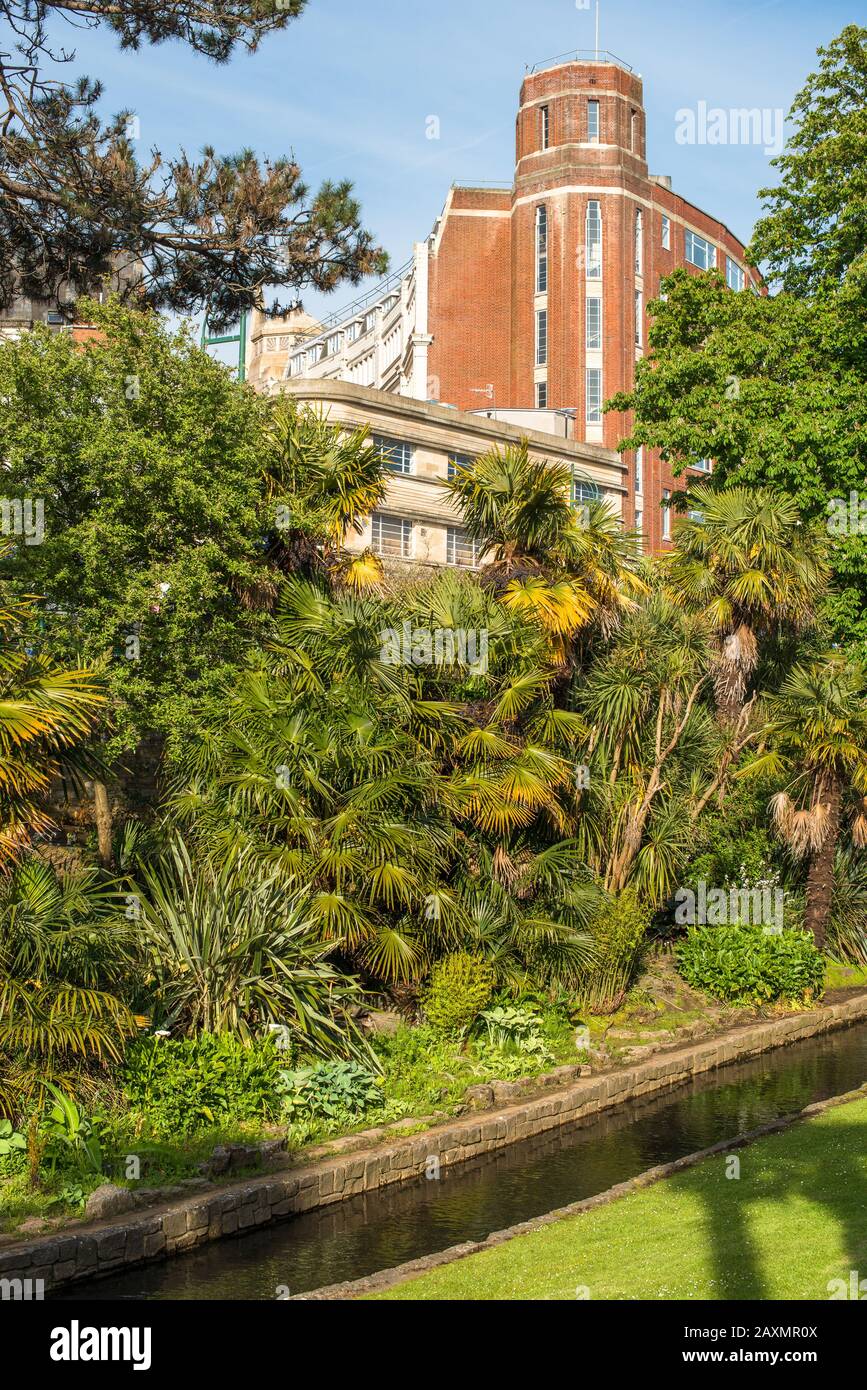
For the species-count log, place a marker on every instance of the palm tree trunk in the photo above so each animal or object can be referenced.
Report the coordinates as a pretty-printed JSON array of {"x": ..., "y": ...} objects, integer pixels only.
[
  {"x": 820, "y": 879},
  {"x": 102, "y": 812}
]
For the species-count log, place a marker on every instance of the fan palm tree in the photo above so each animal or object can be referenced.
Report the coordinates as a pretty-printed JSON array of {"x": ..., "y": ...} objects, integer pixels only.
[
  {"x": 561, "y": 567},
  {"x": 46, "y": 713},
  {"x": 745, "y": 558},
  {"x": 360, "y": 779},
  {"x": 66, "y": 958},
  {"x": 817, "y": 737},
  {"x": 322, "y": 482}
]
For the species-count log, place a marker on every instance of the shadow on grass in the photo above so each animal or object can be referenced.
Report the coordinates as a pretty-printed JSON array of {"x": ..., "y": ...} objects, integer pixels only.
[{"x": 750, "y": 1220}]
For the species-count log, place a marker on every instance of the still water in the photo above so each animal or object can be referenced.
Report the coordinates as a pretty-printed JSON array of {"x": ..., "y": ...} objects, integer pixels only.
[{"x": 372, "y": 1232}]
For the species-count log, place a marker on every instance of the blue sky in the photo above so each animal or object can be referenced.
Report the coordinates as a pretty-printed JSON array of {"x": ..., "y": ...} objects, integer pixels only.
[{"x": 348, "y": 89}]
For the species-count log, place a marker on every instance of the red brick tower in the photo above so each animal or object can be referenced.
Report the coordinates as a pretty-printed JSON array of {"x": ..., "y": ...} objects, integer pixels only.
[{"x": 539, "y": 291}]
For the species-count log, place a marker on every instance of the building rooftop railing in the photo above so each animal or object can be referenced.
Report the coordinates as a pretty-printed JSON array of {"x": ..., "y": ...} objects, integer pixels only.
[
  {"x": 498, "y": 184},
  {"x": 581, "y": 55},
  {"x": 364, "y": 301}
]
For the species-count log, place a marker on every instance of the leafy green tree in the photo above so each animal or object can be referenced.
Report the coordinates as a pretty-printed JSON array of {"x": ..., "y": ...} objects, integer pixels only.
[
  {"x": 146, "y": 459},
  {"x": 78, "y": 208},
  {"x": 813, "y": 234}
]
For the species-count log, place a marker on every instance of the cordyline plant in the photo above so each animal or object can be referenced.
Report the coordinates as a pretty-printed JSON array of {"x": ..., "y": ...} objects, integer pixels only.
[{"x": 78, "y": 208}]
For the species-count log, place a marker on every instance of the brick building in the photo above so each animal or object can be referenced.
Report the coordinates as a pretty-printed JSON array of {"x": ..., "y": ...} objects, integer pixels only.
[{"x": 532, "y": 296}]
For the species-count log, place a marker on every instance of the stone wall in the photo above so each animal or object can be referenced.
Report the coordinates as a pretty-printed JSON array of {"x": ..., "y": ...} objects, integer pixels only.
[{"x": 103, "y": 1248}]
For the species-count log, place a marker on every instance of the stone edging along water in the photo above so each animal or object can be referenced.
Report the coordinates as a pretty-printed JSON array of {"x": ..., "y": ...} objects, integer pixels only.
[
  {"x": 400, "y": 1274},
  {"x": 102, "y": 1248}
]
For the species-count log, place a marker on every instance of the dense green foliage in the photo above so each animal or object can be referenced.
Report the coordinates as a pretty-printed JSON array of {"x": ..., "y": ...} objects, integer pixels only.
[
  {"x": 185, "y": 1084},
  {"x": 748, "y": 964}
]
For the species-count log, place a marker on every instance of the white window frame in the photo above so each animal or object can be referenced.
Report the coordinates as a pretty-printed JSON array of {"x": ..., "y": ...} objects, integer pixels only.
[
  {"x": 593, "y": 391},
  {"x": 593, "y": 240},
  {"x": 639, "y": 318},
  {"x": 695, "y": 245},
  {"x": 541, "y": 337},
  {"x": 453, "y": 533},
  {"x": 593, "y": 121},
  {"x": 545, "y": 119},
  {"x": 458, "y": 463},
  {"x": 639, "y": 242},
  {"x": 542, "y": 249},
  {"x": 666, "y": 233},
  {"x": 591, "y": 331},
  {"x": 541, "y": 392},
  {"x": 639, "y": 470},
  {"x": 397, "y": 455},
  {"x": 376, "y": 538},
  {"x": 666, "y": 514},
  {"x": 735, "y": 276}
]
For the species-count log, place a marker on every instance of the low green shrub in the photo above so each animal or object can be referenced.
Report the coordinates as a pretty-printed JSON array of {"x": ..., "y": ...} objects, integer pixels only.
[
  {"x": 747, "y": 964},
  {"x": 460, "y": 987},
  {"x": 189, "y": 1084},
  {"x": 335, "y": 1091}
]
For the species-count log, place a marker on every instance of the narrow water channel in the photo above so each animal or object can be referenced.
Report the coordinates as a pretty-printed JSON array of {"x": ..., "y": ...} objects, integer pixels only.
[{"x": 372, "y": 1232}]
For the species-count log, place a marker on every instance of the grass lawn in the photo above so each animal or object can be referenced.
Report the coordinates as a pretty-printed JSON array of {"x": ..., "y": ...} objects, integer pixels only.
[{"x": 795, "y": 1219}]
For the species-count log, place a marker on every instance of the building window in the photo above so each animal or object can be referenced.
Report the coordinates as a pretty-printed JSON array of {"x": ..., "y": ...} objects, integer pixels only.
[
  {"x": 666, "y": 233},
  {"x": 593, "y": 121},
  {"x": 542, "y": 338},
  {"x": 639, "y": 526},
  {"x": 666, "y": 514},
  {"x": 460, "y": 549},
  {"x": 734, "y": 275},
  {"x": 639, "y": 470},
  {"x": 541, "y": 249},
  {"x": 583, "y": 491},
  {"x": 593, "y": 322},
  {"x": 391, "y": 535},
  {"x": 541, "y": 395},
  {"x": 593, "y": 383},
  {"x": 459, "y": 463},
  {"x": 704, "y": 464},
  {"x": 633, "y": 132},
  {"x": 332, "y": 344},
  {"x": 639, "y": 318},
  {"x": 395, "y": 453},
  {"x": 593, "y": 239},
  {"x": 353, "y": 332},
  {"x": 639, "y": 242},
  {"x": 545, "y": 115},
  {"x": 700, "y": 252}
]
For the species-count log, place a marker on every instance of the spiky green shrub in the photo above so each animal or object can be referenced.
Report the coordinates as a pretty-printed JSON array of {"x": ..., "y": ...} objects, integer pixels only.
[{"x": 460, "y": 987}]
